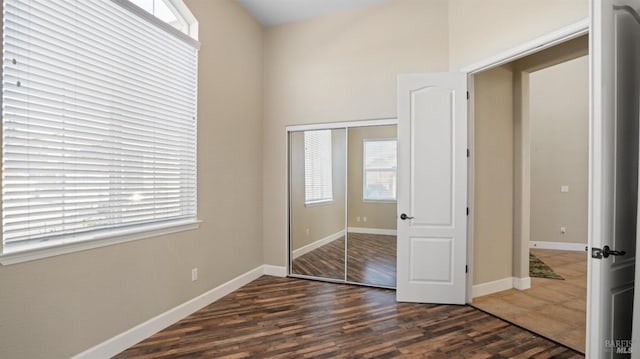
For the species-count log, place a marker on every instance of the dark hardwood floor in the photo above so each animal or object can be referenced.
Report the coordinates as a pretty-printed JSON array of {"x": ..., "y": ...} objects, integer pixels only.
[
  {"x": 371, "y": 259},
  {"x": 293, "y": 318}
]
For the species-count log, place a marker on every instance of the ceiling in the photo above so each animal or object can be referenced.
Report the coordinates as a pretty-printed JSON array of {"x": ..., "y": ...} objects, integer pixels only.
[{"x": 276, "y": 12}]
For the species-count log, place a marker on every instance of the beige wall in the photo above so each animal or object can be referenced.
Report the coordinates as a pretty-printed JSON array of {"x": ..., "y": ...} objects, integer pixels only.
[
  {"x": 559, "y": 124},
  {"x": 339, "y": 67},
  {"x": 379, "y": 215},
  {"x": 480, "y": 29},
  {"x": 60, "y": 306},
  {"x": 325, "y": 219},
  {"x": 493, "y": 193}
]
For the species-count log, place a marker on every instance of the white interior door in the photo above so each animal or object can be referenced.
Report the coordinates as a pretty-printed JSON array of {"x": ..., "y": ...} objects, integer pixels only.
[
  {"x": 432, "y": 191},
  {"x": 615, "y": 76}
]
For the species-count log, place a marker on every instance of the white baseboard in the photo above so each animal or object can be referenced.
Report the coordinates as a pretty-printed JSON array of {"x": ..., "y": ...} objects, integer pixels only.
[
  {"x": 276, "y": 271},
  {"x": 317, "y": 244},
  {"x": 579, "y": 247},
  {"x": 386, "y": 232},
  {"x": 126, "y": 339},
  {"x": 522, "y": 283},
  {"x": 478, "y": 290}
]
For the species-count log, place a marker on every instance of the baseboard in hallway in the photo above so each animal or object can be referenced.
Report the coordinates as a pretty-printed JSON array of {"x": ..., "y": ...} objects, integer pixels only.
[{"x": 564, "y": 246}]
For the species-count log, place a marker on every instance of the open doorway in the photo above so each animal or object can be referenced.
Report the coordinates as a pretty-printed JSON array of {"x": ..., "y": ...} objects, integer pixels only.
[{"x": 530, "y": 192}]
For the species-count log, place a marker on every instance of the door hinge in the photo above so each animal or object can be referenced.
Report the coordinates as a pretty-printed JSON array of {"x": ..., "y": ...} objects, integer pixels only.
[
  {"x": 467, "y": 211},
  {"x": 466, "y": 269},
  {"x": 467, "y": 95},
  {"x": 468, "y": 153}
]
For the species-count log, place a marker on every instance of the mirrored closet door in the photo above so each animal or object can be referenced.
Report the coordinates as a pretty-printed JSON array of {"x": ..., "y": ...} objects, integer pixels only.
[
  {"x": 342, "y": 204},
  {"x": 371, "y": 209},
  {"x": 317, "y": 203}
]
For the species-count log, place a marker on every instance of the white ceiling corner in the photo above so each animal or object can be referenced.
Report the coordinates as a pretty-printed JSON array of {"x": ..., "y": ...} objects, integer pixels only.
[{"x": 276, "y": 12}]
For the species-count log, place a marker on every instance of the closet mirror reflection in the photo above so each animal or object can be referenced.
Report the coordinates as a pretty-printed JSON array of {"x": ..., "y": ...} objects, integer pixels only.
[
  {"x": 342, "y": 204},
  {"x": 317, "y": 166},
  {"x": 371, "y": 209}
]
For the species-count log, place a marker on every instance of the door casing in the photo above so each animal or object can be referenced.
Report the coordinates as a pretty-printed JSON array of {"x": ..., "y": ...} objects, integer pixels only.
[{"x": 552, "y": 39}]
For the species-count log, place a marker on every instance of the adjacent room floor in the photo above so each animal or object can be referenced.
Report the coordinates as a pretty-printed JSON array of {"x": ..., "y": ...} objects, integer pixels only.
[
  {"x": 371, "y": 259},
  {"x": 553, "y": 308},
  {"x": 294, "y": 318}
]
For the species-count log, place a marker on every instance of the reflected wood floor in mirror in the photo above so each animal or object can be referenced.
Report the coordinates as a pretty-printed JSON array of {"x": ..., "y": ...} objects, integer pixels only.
[
  {"x": 291, "y": 318},
  {"x": 325, "y": 262},
  {"x": 371, "y": 259}
]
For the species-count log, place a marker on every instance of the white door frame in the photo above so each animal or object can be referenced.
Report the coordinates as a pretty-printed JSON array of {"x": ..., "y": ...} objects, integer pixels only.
[{"x": 559, "y": 36}]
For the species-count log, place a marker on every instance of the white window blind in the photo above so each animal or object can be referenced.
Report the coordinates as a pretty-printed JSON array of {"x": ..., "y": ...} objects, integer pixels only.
[
  {"x": 317, "y": 166},
  {"x": 380, "y": 167},
  {"x": 98, "y": 123}
]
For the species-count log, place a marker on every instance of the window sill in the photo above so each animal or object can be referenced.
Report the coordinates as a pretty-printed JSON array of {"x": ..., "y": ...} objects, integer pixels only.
[
  {"x": 379, "y": 200},
  {"x": 319, "y": 203},
  {"x": 66, "y": 248}
]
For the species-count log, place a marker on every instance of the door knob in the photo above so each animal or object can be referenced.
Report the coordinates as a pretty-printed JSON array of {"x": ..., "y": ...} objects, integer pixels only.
[
  {"x": 606, "y": 251},
  {"x": 404, "y": 217}
]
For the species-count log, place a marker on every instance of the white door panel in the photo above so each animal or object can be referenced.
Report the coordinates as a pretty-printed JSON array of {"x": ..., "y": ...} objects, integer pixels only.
[
  {"x": 615, "y": 76},
  {"x": 430, "y": 260},
  {"x": 431, "y": 177},
  {"x": 432, "y": 173}
]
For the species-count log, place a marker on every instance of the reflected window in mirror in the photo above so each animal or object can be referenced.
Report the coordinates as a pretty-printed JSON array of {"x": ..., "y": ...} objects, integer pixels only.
[
  {"x": 380, "y": 170},
  {"x": 318, "y": 177}
]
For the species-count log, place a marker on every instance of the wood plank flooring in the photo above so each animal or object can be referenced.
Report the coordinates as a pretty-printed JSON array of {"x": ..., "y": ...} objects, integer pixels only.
[
  {"x": 554, "y": 308},
  {"x": 371, "y": 259},
  {"x": 293, "y": 318}
]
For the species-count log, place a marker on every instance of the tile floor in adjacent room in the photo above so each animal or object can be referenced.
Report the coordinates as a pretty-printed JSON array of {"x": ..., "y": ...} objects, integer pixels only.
[{"x": 553, "y": 308}]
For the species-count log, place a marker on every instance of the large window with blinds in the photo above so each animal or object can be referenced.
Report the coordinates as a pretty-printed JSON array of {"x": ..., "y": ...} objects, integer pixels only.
[
  {"x": 98, "y": 120},
  {"x": 318, "y": 174},
  {"x": 380, "y": 169}
]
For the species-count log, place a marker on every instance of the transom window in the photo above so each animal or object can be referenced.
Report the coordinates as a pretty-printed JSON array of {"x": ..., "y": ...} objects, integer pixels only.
[
  {"x": 167, "y": 11},
  {"x": 380, "y": 170},
  {"x": 98, "y": 122}
]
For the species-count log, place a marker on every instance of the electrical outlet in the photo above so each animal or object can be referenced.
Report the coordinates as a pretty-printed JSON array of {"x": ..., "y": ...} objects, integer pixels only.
[
  {"x": 564, "y": 188},
  {"x": 194, "y": 274},
  {"x": 307, "y": 231},
  {"x": 358, "y": 219},
  {"x": 364, "y": 219},
  {"x": 563, "y": 230}
]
